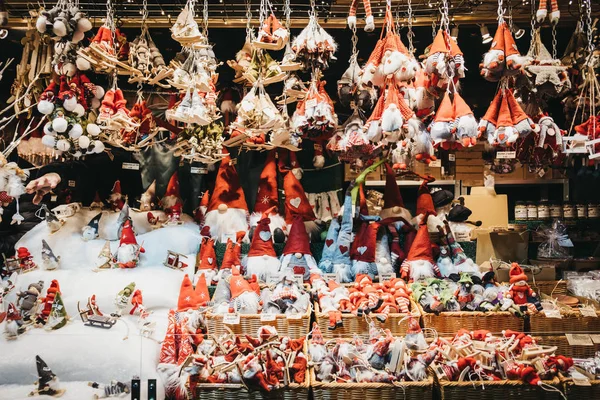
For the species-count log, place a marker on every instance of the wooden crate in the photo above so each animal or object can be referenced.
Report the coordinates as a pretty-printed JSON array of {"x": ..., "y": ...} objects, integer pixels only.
[{"x": 350, "y": 174}]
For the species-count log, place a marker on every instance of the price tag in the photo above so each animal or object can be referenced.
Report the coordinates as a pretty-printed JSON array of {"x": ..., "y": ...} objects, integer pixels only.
[
  {"x": 53, "y": 198},
  {"x": 588, "y": 311},
  {"x": 553, "y": 313},
  {"x": 131, "y": 166},
  {"x": 451, "y": 157},
  {"x": 226, "y": 236},
  {"x": 506, "y": 155},
  {"x": 199, "y": 170},
  {"x": 541, "y": 173},
  {"x": 311, "y": 103},
  {"x": 582, "y": 382},
  {"x": 387, "y": 277},
  {"x": 330, "y": 276},
  {"x": 462, "y": 236},
  {"x": 579, "y": 339},
  {"x": 436, "y": 164},
  {"x": 231, "y": 319},
  {"x": 71, "y": 183},
  {"x": 273, "y": 278},
  {"x": 595, "y": 338},
  {"x": 267, "y": 317},
  {"x": 299, "y": 278},
  {"x": 294, "y": 316},
  {"x": 233, "y": 161}
]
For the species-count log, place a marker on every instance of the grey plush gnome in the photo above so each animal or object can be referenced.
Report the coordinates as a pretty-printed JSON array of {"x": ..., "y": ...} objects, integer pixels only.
[
  {"x": 47, "y": 381},
  {"x": 54, "y": 224},
  {"x": 90, "y": 231},
  {"x": 49, "y": 260}
]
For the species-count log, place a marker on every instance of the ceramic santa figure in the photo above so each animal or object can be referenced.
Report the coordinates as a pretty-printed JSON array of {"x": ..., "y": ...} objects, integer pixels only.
[
  {"x": 520, "y": 292},
  {"x": 419, "y": 263},
  {"x": 129, "y": 250},
  {"x": 393, "y": 205},
  {"x": 207, "y": 261},
  {"x": 227, "y": 212},
  {"x": 117, "y": 199},
  {"x": 267, "y": 199},
  {"x": 261, "y": 259},
  {"x": 171, "y": 202},
  {"x": 297, "y": 258}
]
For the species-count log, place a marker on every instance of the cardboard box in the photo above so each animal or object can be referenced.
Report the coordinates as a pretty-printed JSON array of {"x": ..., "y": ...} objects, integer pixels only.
[
  {"x": 516, "y": 175},
  {"x": 488, "y": 207},
  {"x": 508, "y": 246},
  {"x": 350, "y": 174},
  {"x": 424, "y": 169},
  {"x": 537, "y": 273}
]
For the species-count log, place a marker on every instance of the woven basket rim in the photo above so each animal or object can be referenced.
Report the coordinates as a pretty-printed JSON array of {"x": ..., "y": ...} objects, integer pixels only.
[
  {"x": 415, "y": 312},
  {"x": 365, "y": 385},
  {"x": 307, "y": 314},
  {"x": 466, "y": 313}
]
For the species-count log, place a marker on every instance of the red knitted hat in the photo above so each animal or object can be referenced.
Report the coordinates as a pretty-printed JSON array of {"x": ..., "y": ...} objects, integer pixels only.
[
  {"x": 425, "y": 201},
  {"x": 127, "y": 234},
  {"x": 187, "y": 297},
  {"x": 421, "y": 246},
  {"x": 231, "y": 258},
  {"x": 173, "y": 186},
  {"x": 208, "y": 257},
  {"x": 365, "y": 242},
  {"x": 262, "y": 244},
  {"x": 267, "y": 186},
  {"x": 117, "y": 187},
  {"x": 298, "y": 241},
  {"x": 296, "y": 202},
  {"x": 227, "y": 188},
  {"x": 391, "y": 196},
  {"x": 516, "y": 273}
]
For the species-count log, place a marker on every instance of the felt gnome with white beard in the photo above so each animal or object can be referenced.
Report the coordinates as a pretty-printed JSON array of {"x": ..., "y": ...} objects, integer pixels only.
[
  {"x": 419, "y": 263},
  {"x": 268, "y": 200},
  {"x": 171, "y": 202},
  {"x": 426, "y": 209},
  {"x": 117, "y": 199},
  {"x": 90, "y": 231},
  {"x": 362, "y": 252},
  {"x": 393, "y": 204},
  {"x": 207, "y": 261},
  {"x": 297, "y": 204},
  {"x": 129, "y": 250},
  {"x": 261, "y": 259},
  {"x": 49, "y": 260},
  {"x": 297, "y": 258},
  {"x": 48, "y": 383},
  {"x": 231, "y": 259},
  {"x": 227, "y": 211},
  {"x": 245, "y": 295}
]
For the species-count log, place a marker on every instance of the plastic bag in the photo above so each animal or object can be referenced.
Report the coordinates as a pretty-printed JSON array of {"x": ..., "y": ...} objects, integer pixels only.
[{"x": 555, "y": 241}]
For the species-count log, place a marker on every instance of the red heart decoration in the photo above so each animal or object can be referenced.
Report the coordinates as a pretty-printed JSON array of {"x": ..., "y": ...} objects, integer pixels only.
[
  {"x": 328, "y": 209},
  {"x": 329, "y": 242},
  {"x": 343, "y": 249},
  {"x": 299, "y": 270}
]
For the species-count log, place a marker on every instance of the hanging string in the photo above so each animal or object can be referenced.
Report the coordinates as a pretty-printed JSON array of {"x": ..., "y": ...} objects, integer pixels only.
[
  {"x": 500, "y": 12},
  {"x": 144, "y": 17},
  {"x": 110, "y": 23},
  {"x": 248, "y": 21},
  {"x": 510, "y": 16},
  {"x": 205, "y": 19},
  {"x": 554, "y": 41},
  {"x": 288, "y": 13},
  {"x": 533, "y": 28},
  {"x": 410, "y": 35},
  {"x": 433, "y": 29}
]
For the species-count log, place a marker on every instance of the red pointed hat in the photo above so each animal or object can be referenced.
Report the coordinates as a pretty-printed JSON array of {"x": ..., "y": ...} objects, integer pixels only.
[
  {"x": 391, "y": 196},
  {"x": 296, "y": 202},
  {"x": 267, "y": 186},
  {"x": 238, "y": 285},
  {"x": 205, "y": 199},
  {"x": 298, "y": 241},
  {"x": 262, "y": 244},
  {"x": 227, "y": 190},
  {"x": 173, "y": 186},
  {"x": 231, "y": 257},
  {"x": 421, "y": 246},
  {"x": 498, "y": 43},
  {"x": 201, "y": 292},
  {"x": 117, "y": 187},
  {"x": 208, "y": 257},
  {"x": 362, "y": 201},
  {"x": 445, "y": 112},
  {"x": 187, "y": 297},
  {"x": 127, "y": 234},
  {"x": 425, "y": 201},
  {"x": 461, "y": 108},
  {"x": 317, "y": 335},
  {"x": 365, "y": 242},
  {"x": 12, "y": 313},
  {"x": 439, "y": 44},
  {"x": 516, "y": 273}
]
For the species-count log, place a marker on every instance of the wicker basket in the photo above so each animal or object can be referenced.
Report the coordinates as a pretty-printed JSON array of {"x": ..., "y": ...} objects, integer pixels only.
[
  {"x": 570, "y": 321},
  {"x": 550, "y": 287},
  {"x": 566, "y": 349},
  {"x": 448, "y": 323},
  {"x": 249, "y": 324},
  {"x": 496, "y": 390},
  {"x": 576, "y": 392},
  {"x": 353, "y": 324},
  {"x": 371, "y": 391}
]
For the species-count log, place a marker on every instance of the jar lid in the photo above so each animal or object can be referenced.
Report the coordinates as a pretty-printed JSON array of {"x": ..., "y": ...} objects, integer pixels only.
[
  {"x": 531, "y": 203},
  {"x": 520, "y": 203}
]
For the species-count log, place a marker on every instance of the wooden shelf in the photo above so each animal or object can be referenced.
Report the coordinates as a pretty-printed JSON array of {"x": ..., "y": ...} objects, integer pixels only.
[
  {"x": 412, "y": 183},
  {"x": 531, "y": 182}
]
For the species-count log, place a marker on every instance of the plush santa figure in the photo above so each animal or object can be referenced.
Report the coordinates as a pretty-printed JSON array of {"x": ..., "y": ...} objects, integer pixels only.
[
  {"x": 129, "y": 250},
  {"x": 267, "y": 199},
  {"x": 261, "y": 259},
  {"x": 245, "y": 295},
  {"x": 393, "y": 205},
  {"x": 227, "y": 212},
  {"x": 171, "y": 202},
  {"x": 117, "y": 199},
  {"x": 419, "y": 263},
  {"x": 207, "y": 261},
  {"x": 520, "y": 292},
  {"x": 297, "y": 257},
  {"x": 425, "y": 208}
]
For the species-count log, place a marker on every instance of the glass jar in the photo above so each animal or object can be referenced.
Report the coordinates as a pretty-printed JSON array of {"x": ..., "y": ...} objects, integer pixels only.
[
  {"x": 569, "y": 211},
  {"x": 556, "y": 210},
  {"x": 520, "y": 211},
  {"x": 582, "y": 212},
  {"x": 593, "y": 210},
  {"x": 543, "y": 210},
  {"x": 532, "y": 211}
]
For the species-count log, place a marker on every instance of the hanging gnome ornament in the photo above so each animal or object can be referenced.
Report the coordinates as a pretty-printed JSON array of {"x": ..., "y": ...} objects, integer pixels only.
[
  {"x": 48, "y": 383},
  {"x": 297, "y": 258},
  {"x": 49, "y": 260},
  {"x": 207, "y": 262},
  {"x": 542, "y": 11},
  {"x": 419, "y": 263},
  {"x": 261, "y": 260},
  {"x": 117, "y": 199},
  {"x": 444, "y": 62},
  {"x": 171, "y": 202},
  {"x": 90, "y": 231},
  {"x": 503, "y": 58},
  {"x": 227, "y": 212},
  {"x": 369, "y": 19},
  {"x": 129, "y": 250},
  {"x": 267, "y": 200}
]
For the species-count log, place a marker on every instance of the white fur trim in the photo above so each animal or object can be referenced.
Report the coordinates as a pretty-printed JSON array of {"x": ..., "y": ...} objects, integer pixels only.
[
  {"x": 351, "y": 21},
  {"x": 369, "y": 24},
  {"x": 231, "y": 221}
]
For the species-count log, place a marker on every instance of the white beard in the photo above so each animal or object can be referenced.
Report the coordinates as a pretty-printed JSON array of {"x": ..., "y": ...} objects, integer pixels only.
[
  {"x": 127, "y": 253},
  {"x": 210, "y": 275},
  {"x": 261, "y": 266},
  {"x": 11, "y": 328},
  {"x": 306, "y": 261},
  {"x": 89, "y": 233},
  {"x": 468, "y": 266},
  {"x": 246, "y": 303},
  {"x": 384, "y": 266},
  {"x": 168, "y": 201},
  {"x": 277, "y": 221},
  {"x": 49, "y": 264},
  {"x": 388, "y": 212},
  {"x": 231, "y": 221},
  {"x": 421, "y": 269},
  {"x": 432, "y": 222},
  {"x": 446, "y": 267}
]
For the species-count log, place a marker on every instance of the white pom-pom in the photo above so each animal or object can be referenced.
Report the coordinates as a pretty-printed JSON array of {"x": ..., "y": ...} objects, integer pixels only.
[
  {"x": 48, "y": 129},
  {"x": 352, "y": 21},
  {"x": 60, "y": 124},
  {"x": 319, "y": 161},
  {"x": 95, "y": 104},
  {"x": 99, "y": 92},
  {"x": 48, "y": 140},
  {"x": 79, "y": 110},
  {"x": 93, "y": 129},
  {"x": 76, "y": 131},
  {"x": 369, "y": 24},
  {"x": 84, "y": 142},
  {"x": 63, "y": 145},
  {"x": 45, "y": 107},
  {"x": 84, "y": 25},
  {"x": 83, "y": 64},
  {"x": 59, "y": 28},
  {"x": 70, "y": 103},
  {"x": 77, "y": 36},
  {"x": 40, "y": 24},
  {"x": 98, "y": 146}
]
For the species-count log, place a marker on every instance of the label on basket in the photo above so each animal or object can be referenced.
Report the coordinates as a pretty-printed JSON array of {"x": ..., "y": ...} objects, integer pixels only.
[
  {"x": 555, "y": 313},
  {"x": 330, "y": 276},
  {"x": 595, "y": 338},
  {"x": 131, "y": 165},
  {"x": 273, "y": 278},
  {"x": 299, "y": 278},
  {"x": 226, "y": 236},
  {"x": 387, "y": 277},
  {"x": 267, "y": 317},
  {"x": 588, "y": 311},
  {"x": 582, "y": 382},
  {"x": 436, "y": 164},
  {"x": 506, "y": 155},
  {"x": 311, "y": 103},
  {"x": 231, "y": 319},
  {"x": 451, "y": 157},
  {"x": 294, "y": 316},
  {"x": 579, "y": 339},
  {"x": 199, "y": 170},
  {"x": 462, "y": 236}
]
